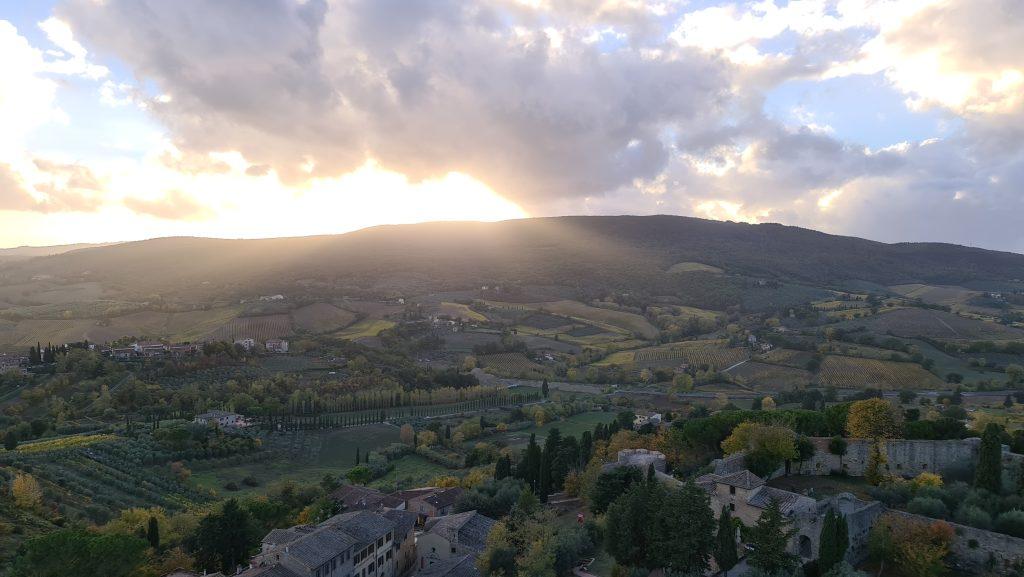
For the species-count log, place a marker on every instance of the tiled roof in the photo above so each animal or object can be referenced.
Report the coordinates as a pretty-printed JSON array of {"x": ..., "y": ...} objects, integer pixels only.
[
  {"x": 470, "y": 529},
  {"x": 320, "y": 546},
  {"x": 355, "y": 497},
  {"x": 413, "y": 493},
  {"x": 743, "y": 479},
  {"x": 445, "y": 497},
  {"x": 282, "y": 536},
  {"x": 364, "y": 526},
  {"x": 275, "y": 570},
  {"x": 765, "y": 495},
  {"x": 404, "y": 521},
  {"x": 464, "y": 566}
]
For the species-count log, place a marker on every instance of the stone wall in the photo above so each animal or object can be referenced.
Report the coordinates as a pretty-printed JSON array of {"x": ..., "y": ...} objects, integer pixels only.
[
  {"x": 906, "y": 458},
  {"x": 976, "y": 549}
]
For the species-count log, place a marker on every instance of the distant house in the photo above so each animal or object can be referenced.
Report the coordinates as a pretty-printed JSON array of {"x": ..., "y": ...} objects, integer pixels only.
[
  {"x": 221, "y": 418},
  {"x": 451, "y": 536},
  {"x": 247, "y": 344},
  {"x": 271, "y": 298},
  {"x": 277, "y": 346},
  {"x": 183, "y": 350},
  {"x": 120, "y": 353},
  {"x": 651, "y": 419},
  {"x": 149, "y": 348},
  {"x": 12, "y": 363}
]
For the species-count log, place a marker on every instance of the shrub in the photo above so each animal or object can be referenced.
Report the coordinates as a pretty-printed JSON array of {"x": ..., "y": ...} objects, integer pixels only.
[
  {"x": 1011, "y": 523},
  {"x": 929, "y": 507},
  {"x": 973, "y": 516}
]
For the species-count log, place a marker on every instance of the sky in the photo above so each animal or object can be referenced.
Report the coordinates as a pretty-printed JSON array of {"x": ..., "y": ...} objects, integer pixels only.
[{"x": 895, "y": 120}]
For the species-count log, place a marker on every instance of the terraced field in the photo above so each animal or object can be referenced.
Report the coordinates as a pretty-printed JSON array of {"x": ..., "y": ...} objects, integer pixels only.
[
  {"x": 943, "y": 295},
  {"x": 714, "y": 354},
  {"x": 787, "y": 357},
  {"x": 609, "y": 320},
  {"x": 851, "y": 372},
  {"x": 511, "y": 364},
  {"x": 259, "y": 328},
  {"x": 764, "y": 376},
  {"x": 321, "y": 318},
  {"x": 916, "y": 322}
]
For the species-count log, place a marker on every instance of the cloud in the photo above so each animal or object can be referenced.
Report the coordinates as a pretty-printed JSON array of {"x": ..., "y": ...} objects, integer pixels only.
[
  {"x": 175, "y": 205},
  {"x": 60, "y": 188},
  {"x": 424, "y": 88}
]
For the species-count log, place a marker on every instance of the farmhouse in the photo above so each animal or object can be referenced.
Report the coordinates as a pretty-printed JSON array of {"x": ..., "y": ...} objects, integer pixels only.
[
  {"x": 248, "y": 343},
  {"x": 651, "y": 419},
  {"x": 453, "y": 536},
  {"x": 12, "y": 363},
  {"x": 220, "y": 418},
  {"x": 276, "y": 346},
  {"x": 149, "y": 348}
]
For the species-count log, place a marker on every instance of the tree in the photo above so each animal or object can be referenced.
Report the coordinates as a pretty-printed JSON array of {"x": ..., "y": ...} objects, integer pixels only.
[
  {"x": 989, "y": 473},
  {"x": 683, "y": 529},
  {"x": 767, "y": 446},
  {"x": 915, "y": 548},
  {"x": 834, "y": 541},
  {"x": 769, "y": 538},
  {"x": 725, "y": 542},
  {"x": 873, "y": 474},
  {"x": 503, "y": 467},
  {"x": 610, "y": 485},
  {"x": 837, "y": 446},
  {"x": 80, "y": 553},
  {"x": 529, "y": 465},
  {"x": 874, "y": 419},
  {"x": 768, "y": 404},
  {"x": 11, "y": 441},
  {"x": 26, "y": 491},
  {"x": 357, "y": 456},
  {"x": 1015, "y": 373},
  {"x": 544, "y": 388},
  {"x": 804, "y": 449},
  {"x": 224, "y": 539},
  {"x": 359, "y": 475},
  {"x": 545, "y": 481},
  {"x": 153, "y": 533},
  {"x": 407, "y": 434}
]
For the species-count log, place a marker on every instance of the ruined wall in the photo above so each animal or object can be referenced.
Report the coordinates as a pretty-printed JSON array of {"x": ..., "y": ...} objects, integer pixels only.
[
  {"x": 976, "y": 549},
  {"x": 906, "y": 458}
]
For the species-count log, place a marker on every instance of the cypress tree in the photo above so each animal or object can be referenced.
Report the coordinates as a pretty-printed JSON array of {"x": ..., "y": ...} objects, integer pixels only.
[
  {"x": 725, "y": 543},
  {"x": 989, "y": 474},
  {"x": 357, "y": 455},
  {"x": 153, "y": 533},
  {"x": 544, "y": 388},
  {"x": 834, "y": 540},
  {"x": 545, "y": 482}
]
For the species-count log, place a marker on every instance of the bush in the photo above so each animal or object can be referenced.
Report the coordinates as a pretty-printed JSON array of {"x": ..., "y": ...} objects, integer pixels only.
[
  {"x": 231, "y": 486},
  {"x": 929, "y": 507},
  {"x": 973, "y": 516},
  {"x": 1011, "y": 523}
]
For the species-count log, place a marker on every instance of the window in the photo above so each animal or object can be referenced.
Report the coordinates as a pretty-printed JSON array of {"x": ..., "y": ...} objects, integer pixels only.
[
  {"x": 732, "y": 490},
  {"x": 732, "y": 506},
  {"x": 380, "y": 542},
  {"x": 388, "y": 555},
  {"x": 453, "y": 550}
]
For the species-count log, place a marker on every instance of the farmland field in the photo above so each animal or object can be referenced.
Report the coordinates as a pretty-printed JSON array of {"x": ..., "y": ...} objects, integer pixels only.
[
  {"x": 574, "y": 425},
  {"x": 942, "y": 295},
  {"x": 713, "y": 354},
  {"x": 259, "y": 328},
  {"x": 510, "y": 364},
  {"x": 616, "y": 321},
  {"x": 457, "y": 311},
  {"x": 364, "y": 328},
  {"x": 851, "y": 372},
  {"x": 693, "y": 267},
  {"x": 787, "y": 357},
  {"x": 916, "y": 322},
  {"x": 321, "y": 318},
  {"x": 770, "y": 377}
]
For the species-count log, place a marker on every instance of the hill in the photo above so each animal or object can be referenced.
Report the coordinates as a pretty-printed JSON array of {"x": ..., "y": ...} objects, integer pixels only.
[{"x": 622, "y": 252}]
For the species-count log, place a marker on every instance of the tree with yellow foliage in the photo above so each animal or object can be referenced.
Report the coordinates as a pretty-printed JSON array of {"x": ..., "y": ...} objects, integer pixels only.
[
  {"x": 874, "y": 419},
  {"x": 26, "y": 491}
]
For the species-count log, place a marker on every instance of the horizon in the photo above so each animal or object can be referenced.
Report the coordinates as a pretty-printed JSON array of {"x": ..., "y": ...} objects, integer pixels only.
[
  {"x": 382, "y": 225},
  {"x": 891, "y": 121}
]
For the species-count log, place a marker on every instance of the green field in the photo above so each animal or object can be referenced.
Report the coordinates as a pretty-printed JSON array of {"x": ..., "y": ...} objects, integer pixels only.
[
  {"x": 693, "y": 267},
  {"x": 410, "y": 471},
  {"x": 574, "y": 425},
  {"x": 329, "y": 453},
  {"x": 364, "y": 328}
]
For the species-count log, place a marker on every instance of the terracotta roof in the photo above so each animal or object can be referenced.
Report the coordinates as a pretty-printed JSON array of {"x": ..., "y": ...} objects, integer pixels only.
[
  {"x": 445, "y": 497},
  {"x": 354, "y": 498},
  {"x": 743, "y": 479},
  {"x": 469, "y": 529},
  {"x": 464, "y": 566},
  {"x": 765, "y": 495}
]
